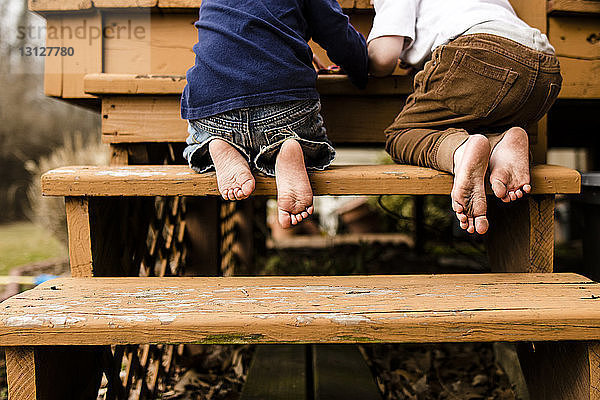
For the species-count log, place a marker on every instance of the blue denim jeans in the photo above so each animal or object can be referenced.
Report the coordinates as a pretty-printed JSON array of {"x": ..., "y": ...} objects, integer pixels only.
[{"x": 258, "y": 133}]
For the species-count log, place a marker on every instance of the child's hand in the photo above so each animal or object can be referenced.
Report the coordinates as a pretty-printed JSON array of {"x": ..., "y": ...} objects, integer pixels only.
[{"x": 323, "y": 69}]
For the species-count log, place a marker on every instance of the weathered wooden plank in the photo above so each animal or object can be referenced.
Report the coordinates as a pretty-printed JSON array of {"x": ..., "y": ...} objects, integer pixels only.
[
  {"x": 423, "y": 309},
  {"x": 53, "y": 66},
  {"x": 341, "y": 373},
  {"x": 578, "y": 78},
  {"x": 87, "y": 56},
  {"x": 80, "y": 234},
  {"x": 561, "y": 371},
  {"x": 574, "y": 6},
  {"x": 575, "y": 37},
  {"x": 341, "y": 180},
  {"x": 20, "y": 373},
  {"x": 139, "y": 119},
  {"x": 278, "y": 372},
  {"x": 532, "y": 11},
  {"x": 139, "y": 84}
]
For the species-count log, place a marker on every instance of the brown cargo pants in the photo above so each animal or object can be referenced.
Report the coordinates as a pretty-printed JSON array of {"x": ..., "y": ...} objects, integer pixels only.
[{"x": 476, "y": 84}]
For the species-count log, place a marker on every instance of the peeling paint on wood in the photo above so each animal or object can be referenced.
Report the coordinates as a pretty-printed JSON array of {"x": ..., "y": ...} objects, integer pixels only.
[
  {"x": 341, "y": 180},
  {"x": 424, "y": 308}
]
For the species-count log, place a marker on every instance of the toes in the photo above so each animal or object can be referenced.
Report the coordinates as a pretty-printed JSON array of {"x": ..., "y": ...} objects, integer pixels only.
[
  {"x": 462, "y": 218},
  {"x": 310, "y": 210},
  {"x": 518, "y": 193},
  {"x": 285, "y": 219},
  {"x": 527, "y": 188},
  {"x": 457, "y": 207},
  {"x": 304, "y": 214},
  {"x": 294, "y": 219},
  {"x": 481, "y": 224},
  {"x": 471, "y": 226},
  {"x": 499, "y": 188},
  {"x": 512, "y": 196},
  {"x": 248, "y": 187},
  {"x": 239, "y": 195}
]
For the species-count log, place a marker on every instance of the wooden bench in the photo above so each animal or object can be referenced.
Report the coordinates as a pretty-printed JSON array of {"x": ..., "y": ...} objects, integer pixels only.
[
  {"x": 43, "y": 322},
  {"x": 521, "y": 234}
]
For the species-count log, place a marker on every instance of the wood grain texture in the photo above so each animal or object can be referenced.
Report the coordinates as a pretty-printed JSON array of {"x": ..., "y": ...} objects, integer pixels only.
[
  {"x": 521, "y": 235},
  {"x": 87, "y": 57},
  {"x": 561, "y": 371},
  {"x": 354, "y": 309},
  {"x": 53, "y": 373},
  {"x": 573, "y": 6},
  {"x": 531, "y": 11},
  {"x": 341, "y": 180},
  {"x": 341, "y": 373},
  {"x": 277, "y": 372},
  {"x": 140, "y": 119},
  {"x": 20, "y": 371},
  {"x": 577, "y": 78},
  {"x": 80, "y": 236},
  {"x": 53, "y": 66},
  {"x": 575, "y": 37},
  {"x": 140, "y": 84}
]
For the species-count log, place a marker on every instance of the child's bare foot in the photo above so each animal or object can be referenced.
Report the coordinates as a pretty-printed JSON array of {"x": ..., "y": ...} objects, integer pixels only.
[
  {"x": 468, "y": 191},
  {"x": 294, "y": 194},
  {"x": 234, "y": 178},
  {"x": 509, "y": 166}
]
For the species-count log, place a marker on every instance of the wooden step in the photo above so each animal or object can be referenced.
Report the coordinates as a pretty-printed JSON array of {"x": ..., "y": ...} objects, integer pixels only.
[
  {"x": 175, "y": 180},
  {"x": 588, "y": 7},
  {"x": 348, "y": 309}
]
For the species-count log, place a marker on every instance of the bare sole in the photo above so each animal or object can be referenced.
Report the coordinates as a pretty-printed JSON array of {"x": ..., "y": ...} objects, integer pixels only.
[
  {"x": 468, "y": 191},
  {"x": 294, "y": 193}
]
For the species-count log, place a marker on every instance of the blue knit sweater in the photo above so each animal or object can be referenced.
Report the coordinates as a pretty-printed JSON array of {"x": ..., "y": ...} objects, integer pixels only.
[{"x": 255, "y": 52}]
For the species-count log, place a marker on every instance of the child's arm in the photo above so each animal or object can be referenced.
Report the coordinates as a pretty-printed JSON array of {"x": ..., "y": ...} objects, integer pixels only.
[
  {"x": 393, "y": 32},
  {"x": 384, "y": 53},
  {"x": 331, "y": 29}
]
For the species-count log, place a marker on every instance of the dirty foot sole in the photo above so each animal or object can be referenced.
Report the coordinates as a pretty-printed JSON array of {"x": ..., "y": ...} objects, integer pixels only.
[
  {"x": 468, "y": 191},
  {"x": 234, "y": 178},
  {"x": 294, "y": 194}
]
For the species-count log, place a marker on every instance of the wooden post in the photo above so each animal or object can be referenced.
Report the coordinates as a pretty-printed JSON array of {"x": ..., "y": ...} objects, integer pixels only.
[
  {"x": 106, "y": 235},
  {"x": 561, "y": 371},
  {"x": 53, "y": 373},
  {"x": 521, "y": 235}
]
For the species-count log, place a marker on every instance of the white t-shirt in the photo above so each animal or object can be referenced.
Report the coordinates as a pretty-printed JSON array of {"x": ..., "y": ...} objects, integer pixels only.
[{"x": 430, "y": 23}]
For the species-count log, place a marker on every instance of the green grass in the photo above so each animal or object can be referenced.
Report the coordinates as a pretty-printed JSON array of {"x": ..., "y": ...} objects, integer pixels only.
[{"x": 24, "y": 243}]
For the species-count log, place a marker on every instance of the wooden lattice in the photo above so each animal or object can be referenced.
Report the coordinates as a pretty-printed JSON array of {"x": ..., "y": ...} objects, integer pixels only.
[{"x": 142, "y": 372}]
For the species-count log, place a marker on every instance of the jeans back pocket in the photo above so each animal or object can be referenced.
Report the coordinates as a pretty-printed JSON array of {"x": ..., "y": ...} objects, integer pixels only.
[{"x": 473, "y": 86}]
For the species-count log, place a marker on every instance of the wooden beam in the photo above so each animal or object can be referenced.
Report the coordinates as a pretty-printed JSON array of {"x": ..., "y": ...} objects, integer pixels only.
[
  {"x": 140, "y": 119},
  {"x": 341, "y": 373},
  {"x": 521, "y": 235},
  {"x": 80, "y": 236},
  {"x": 277, "y": 372},
  {"x": 352, "y": 309},
  {"x": 176, "y": 180},
  {"x": 53, "y": 373},
  {"x": 561, "y": 371},
  {"x": 328, "y": 85},
  {"x": 573, "y": 6}
]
